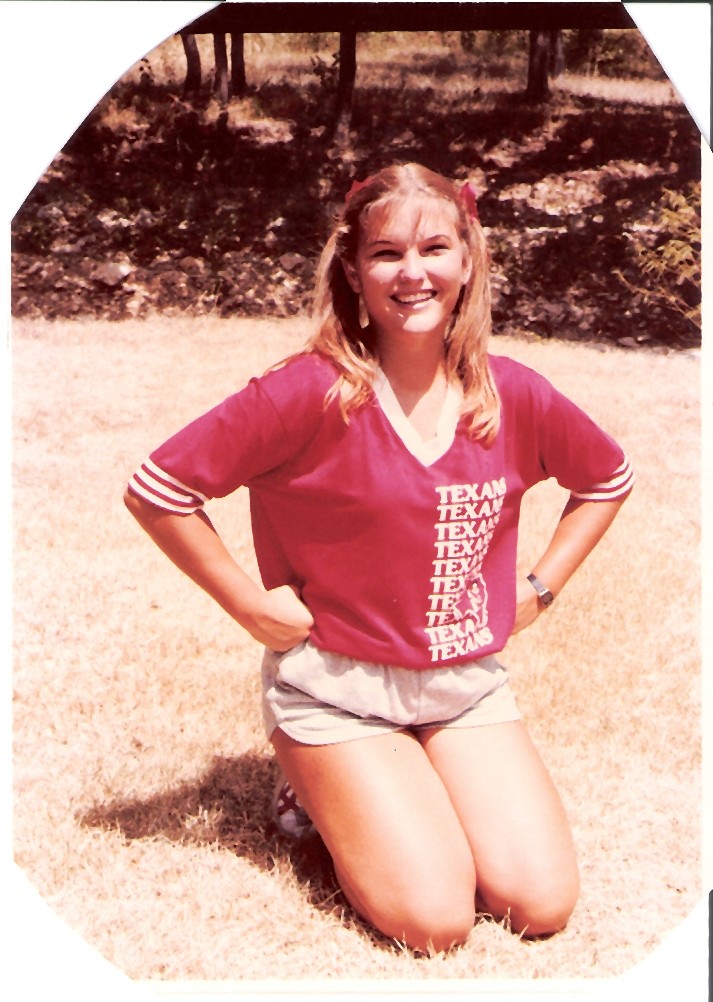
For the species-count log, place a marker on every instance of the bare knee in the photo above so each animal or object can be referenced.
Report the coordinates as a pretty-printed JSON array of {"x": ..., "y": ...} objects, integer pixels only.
[
  {"x": 429, "y": 920},
  {"x": 434, "y": 928},
  {"x": 537, "y": 911},
  {"x": 541, "y": 918}
]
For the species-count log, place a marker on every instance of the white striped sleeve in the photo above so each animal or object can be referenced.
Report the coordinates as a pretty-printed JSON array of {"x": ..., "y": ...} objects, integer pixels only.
[
  {"x": 616, "y": 486},
  {"x": 152, "y": 484}
]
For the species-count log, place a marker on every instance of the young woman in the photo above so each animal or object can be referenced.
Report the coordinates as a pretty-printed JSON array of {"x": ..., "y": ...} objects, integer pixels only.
[{"x": 386, "y": 465}]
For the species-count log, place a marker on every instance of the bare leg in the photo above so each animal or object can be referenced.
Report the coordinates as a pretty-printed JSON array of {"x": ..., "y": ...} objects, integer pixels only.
[
  {"x": 399, "y": 850},
  {"x": 514, "y": 821}
]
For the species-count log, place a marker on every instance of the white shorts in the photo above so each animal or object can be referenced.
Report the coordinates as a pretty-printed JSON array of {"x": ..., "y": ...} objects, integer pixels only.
[{"x": 321, "y": 698}]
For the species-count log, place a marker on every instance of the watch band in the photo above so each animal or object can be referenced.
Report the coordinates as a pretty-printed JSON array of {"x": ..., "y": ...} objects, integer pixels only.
[{"x": 543, "y": 592}]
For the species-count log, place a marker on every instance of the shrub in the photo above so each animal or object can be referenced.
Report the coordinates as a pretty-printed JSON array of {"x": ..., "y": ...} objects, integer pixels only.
[
  {"x": 669, "y": 266},
  {"x": 610, "y": 52}
]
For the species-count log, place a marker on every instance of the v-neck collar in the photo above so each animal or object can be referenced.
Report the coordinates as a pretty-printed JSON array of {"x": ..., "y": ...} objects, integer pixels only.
[{"x": 429, "y": 452}]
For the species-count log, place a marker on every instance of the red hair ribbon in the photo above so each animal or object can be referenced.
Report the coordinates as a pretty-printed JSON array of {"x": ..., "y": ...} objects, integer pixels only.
[
  {"x": 470, "y": 199},
  {"x": 356, "y": 186}
]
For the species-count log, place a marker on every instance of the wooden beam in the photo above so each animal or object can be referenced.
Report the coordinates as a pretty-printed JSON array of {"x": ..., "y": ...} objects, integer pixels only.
[{"x": 272, "y": 17}]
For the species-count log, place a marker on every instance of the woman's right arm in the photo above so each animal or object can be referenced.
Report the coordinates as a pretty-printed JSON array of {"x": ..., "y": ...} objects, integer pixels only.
[{"x": 275, "y": 618}]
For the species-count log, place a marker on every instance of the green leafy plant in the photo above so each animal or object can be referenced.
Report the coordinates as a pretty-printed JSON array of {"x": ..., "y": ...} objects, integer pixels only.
[{"x": 669, "y": 266}]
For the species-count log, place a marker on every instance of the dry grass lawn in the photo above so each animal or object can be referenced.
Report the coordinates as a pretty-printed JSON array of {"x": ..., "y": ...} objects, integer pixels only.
[{"x": 142, "y": 778}]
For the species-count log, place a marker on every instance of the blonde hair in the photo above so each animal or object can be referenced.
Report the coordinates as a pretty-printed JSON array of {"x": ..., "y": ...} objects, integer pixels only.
[{"x": 338, "y": 332}]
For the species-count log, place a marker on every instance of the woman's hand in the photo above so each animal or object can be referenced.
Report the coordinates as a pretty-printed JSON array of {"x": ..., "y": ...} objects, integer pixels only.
[
  {"x": 281, "y": 620},
  {"x": 582, "y": 525},
  {"x": 527, "y": 607}
]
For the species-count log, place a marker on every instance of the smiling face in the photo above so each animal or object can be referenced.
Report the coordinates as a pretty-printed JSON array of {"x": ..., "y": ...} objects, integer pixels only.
[{"x": 410, "y": 267}]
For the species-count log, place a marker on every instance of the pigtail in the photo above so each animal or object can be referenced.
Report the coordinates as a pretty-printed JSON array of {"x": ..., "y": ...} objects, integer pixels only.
[
  {"x": 338, "y": 333},
  {"x": 469, "y": 337}
]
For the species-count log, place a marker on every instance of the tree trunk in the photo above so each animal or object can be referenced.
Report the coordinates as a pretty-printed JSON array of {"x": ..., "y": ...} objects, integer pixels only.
[
  {"x": 345, "y": 86},
  {"x": 193, "y": 65},
  {"x": 556, "y": 57},
  {"x": 220, "y": 84},
  {"x": 467, "y": 41},
  {"x": 238, "y": 78},
  {"x": 537, "y": 76}
]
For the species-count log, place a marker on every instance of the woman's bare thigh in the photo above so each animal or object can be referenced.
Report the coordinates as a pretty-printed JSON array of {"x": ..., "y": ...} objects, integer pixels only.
[
  {"x": 399, "y": 849},
  {"x": 514, "y": 820}
]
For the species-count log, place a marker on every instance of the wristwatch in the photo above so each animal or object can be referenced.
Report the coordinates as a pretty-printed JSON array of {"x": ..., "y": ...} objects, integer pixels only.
[{"x": 543, "y": 592}]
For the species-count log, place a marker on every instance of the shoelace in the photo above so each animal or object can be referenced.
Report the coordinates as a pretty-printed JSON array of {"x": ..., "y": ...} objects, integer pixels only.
[{"x": 290, "y": 815}]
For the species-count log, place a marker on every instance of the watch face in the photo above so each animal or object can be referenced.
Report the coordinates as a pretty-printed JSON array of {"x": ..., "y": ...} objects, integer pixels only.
[{"x": 543, "y": 593}]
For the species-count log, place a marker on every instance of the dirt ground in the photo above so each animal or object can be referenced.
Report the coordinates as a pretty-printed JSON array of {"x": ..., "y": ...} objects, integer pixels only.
[{"x": 591, "y": 200}]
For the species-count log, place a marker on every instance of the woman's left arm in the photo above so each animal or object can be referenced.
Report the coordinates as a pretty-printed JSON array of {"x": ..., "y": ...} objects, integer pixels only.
[{"x": 582, "y": 525}]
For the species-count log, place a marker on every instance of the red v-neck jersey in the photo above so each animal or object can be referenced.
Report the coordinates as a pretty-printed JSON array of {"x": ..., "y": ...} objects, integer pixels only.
[{"x": 400, "y": 562}]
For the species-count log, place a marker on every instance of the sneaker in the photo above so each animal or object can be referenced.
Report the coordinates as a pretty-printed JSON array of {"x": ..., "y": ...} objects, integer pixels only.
[{"x": 289, "y": 814}]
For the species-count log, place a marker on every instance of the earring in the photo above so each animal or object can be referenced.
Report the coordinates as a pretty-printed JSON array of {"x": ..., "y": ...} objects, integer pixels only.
[{"x": 363, "y": 315}]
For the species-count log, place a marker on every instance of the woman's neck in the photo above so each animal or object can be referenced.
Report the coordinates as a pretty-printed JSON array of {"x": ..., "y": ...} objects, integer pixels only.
[
  {"x": 418, "y": 379},
  {"x": 413, "y": 366}
]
